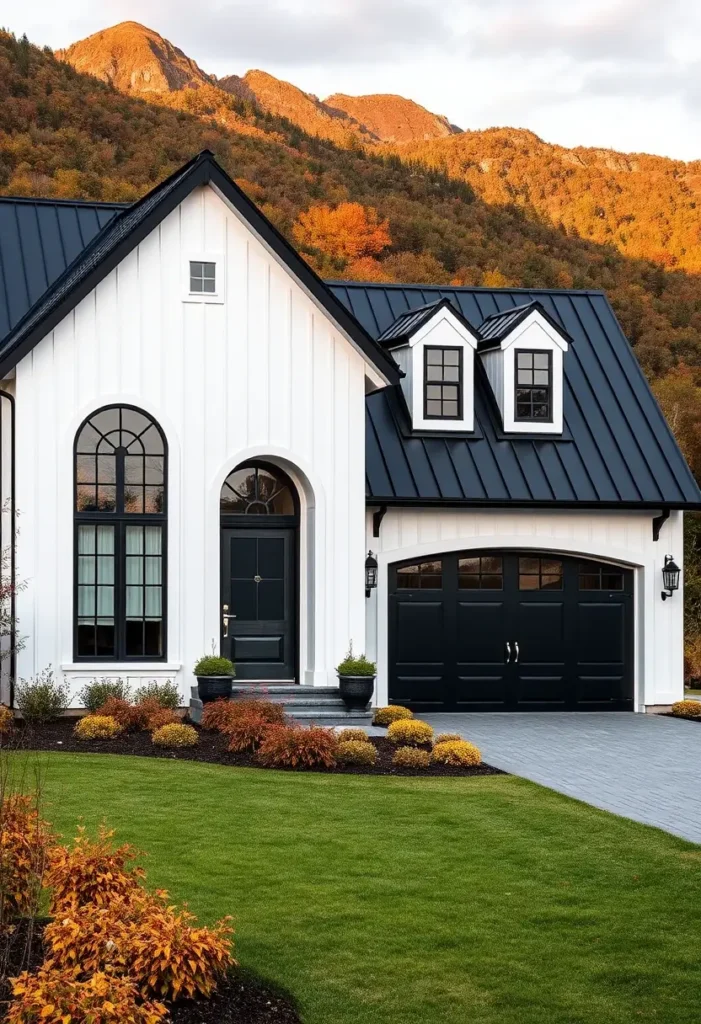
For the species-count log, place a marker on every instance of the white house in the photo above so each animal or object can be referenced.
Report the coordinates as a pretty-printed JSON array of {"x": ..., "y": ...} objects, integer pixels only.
[{"x": 204, "y": 440}]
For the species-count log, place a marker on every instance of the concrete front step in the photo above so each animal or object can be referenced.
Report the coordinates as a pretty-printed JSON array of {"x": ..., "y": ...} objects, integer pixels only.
[{"x": 305, "y": 704}]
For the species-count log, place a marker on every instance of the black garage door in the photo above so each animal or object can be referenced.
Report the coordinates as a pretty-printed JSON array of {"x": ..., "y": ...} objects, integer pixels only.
[{"x": 510, "y": 631}]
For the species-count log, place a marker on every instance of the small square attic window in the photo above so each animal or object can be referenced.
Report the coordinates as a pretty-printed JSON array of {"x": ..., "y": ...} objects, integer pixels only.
[{"x": 203, "y": 278}]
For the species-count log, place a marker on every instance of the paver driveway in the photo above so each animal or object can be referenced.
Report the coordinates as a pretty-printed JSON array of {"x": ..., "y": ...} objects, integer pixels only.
[{"x": 645, "y": 767}]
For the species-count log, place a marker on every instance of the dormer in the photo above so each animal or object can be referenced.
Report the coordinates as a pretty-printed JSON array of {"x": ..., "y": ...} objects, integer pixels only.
[
  {"x": 522, "y": 351},
  {"x": 435, "y": 347}
]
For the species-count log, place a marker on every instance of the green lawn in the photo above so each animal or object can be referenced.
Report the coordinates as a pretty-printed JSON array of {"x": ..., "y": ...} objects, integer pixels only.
[{"x": 406, "y": 901}]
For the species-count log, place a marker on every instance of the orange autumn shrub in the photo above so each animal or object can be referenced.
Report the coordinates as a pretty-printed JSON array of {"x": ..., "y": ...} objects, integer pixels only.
[
  {"x": 246, "y": 733},
  {"x": 290, "y": 746},
  {"x": 160, "y": 947},
  {"x": 687, "y": 709},
  {"x": 164, "y": 716},
  {"x": 131, "y": 717},
  {"x": 267, "y": 710},
  {"x": 91, "y": 872},
  {"x": 59, "y": 997},
  {"x": 6, "y": 719},
  {"x": 24, "y": 843},
  {"x": 217, "y": 715}
]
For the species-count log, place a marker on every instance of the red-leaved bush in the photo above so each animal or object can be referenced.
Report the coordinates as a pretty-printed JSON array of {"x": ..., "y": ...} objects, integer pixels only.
[
  {"x": 247, "y": 733},
  {"x": 220, "y": 715},
  {"x": 131, "y": 717},
  {"x": 91, "y": 872},
  {"x": 290, "y": 746},
  {"x": 217, "y": 715}
]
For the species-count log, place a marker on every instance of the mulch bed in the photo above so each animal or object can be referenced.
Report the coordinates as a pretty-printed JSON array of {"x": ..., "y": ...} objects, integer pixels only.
[
  {"x": 212, "y": 749},
  {"x": 239, "y": 999},
  {"x": 681, "y": 718}
]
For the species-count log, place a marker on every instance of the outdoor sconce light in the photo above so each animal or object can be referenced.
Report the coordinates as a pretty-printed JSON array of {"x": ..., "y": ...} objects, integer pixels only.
[
  {"x": 670, "y": 577},
  {"x": 370, "y": 573}
]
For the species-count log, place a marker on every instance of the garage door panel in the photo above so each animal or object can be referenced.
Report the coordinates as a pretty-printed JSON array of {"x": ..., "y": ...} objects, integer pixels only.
[
  {"x": 479, "y": 638},
  {"x": 481, "y": 692},
  {"x": 419, "y": 633},
  {"x": 540, "y": 633},
  {"x": 505, "y": 631},
  {"x": 600, "y": 633},
  {"x": 541, "y": 689}
]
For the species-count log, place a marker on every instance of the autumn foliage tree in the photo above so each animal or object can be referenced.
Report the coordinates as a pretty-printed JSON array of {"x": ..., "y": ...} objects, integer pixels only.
[{"x": 349, "y": 231}]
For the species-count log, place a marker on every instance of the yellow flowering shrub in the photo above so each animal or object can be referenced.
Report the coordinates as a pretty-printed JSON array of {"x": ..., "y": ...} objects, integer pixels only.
[
  {"x": 687, "y": 709},
  {"x": 456, "y": 752},
  {"x": 24, "y": 841},
  {"x": 97, "y": 727},
  {"x": 353, "y": 736},
  {"x": 6, "y": 719},
  {"x": 358, "y": 752},
  {"x": 394, "y": 713},
  {"x": 175, "y": 735},
  {"x": 411, "y": 757},
  {"x": 448, "y": 737},
  {"x": 410, "y": 733}
]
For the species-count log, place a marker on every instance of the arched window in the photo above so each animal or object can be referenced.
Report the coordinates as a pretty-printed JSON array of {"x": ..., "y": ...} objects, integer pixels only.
[
  {"x": 120, "y": 537},
  {"x": 257, "y": 489}
]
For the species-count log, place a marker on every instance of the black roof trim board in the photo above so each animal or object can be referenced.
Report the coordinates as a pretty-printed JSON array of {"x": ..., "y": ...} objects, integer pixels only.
[
  {"x": 407, "y": 324},
  {"x": 500, "y": 325},
  {"x": 124, "y": 232},
  {"x": 372, "y": 501}
]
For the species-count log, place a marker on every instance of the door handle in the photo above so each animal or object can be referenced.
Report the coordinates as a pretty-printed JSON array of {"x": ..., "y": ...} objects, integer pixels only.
[
  {"x": 225, "y": 620},
  {"x": 508, "y": 652},
  {"x": 516, "y": 650}
]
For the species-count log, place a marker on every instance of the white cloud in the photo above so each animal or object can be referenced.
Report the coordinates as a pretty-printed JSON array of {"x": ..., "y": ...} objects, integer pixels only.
[{"x": 620, "y": 73}]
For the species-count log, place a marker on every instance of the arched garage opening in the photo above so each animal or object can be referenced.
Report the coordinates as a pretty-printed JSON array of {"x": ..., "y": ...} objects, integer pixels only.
[{"x": 510, "y": 631}]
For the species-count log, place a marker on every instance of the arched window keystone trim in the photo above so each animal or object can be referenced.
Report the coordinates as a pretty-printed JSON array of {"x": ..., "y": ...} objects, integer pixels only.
[{"x": 120, "y": 543}]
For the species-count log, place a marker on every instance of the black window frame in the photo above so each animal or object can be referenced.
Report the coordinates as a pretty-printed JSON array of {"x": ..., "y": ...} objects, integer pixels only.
[
  {"x": 120, "y": 520},
  {"x": 548, "y": 388},
  {"x": 442, "y": 383}
]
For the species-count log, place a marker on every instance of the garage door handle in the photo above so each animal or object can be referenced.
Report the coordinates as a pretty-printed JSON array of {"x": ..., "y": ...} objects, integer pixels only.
[
  {"x": 516, "y": 649},
  {"x": 508, "y": 652}
]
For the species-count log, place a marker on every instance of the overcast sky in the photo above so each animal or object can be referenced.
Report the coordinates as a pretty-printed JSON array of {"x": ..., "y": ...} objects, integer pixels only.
[{"x": 624, "y": 74}]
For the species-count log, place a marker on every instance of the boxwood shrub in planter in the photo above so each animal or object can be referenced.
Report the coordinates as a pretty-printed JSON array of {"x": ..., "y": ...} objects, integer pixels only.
[
  {"x": 215, "y": 677},
  {"x": 356, "y": 679}
]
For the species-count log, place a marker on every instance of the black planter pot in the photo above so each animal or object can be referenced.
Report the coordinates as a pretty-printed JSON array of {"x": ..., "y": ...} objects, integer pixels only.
[
  {"x": 211, "y": 688},
  {"x": 356, "y": 691}
]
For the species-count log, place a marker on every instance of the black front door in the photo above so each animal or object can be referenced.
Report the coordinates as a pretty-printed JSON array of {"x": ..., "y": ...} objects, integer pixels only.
[
  {"x": 511, "y": 631},
  {"x": 258, "y": 588}
]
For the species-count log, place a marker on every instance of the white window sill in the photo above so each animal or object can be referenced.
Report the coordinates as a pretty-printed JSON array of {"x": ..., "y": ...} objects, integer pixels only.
[
  {"x": 110, "y": 668},
  {"x": 207, "y": 298}
]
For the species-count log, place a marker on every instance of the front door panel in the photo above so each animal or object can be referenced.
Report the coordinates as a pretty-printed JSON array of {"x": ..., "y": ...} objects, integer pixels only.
[{"x": 258, "y": 588}]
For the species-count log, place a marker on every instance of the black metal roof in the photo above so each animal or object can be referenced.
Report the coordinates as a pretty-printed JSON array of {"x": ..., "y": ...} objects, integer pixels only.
[
  {"x": 409, "y": 323},
  {"x": 121, "y": 233},
  {"x": 616, "y": 450},
  {"x": 39, "y": 238},
  {"x": 496, "y": 327}
]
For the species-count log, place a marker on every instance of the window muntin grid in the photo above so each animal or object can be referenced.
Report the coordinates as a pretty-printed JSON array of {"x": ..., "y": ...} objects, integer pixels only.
[
  {"x": 442, "y": 383},
  {"x": 533, "y": 391},
  {"x": 203, "y": 277}
]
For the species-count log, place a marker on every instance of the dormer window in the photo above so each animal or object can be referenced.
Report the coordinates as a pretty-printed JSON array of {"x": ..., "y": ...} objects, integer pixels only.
[
  {"x": 533, "y": 399},
  {"x": 435, "y": 347},
  {"x": 442, "y": 383},
  {"x": 523, "y": 351}
]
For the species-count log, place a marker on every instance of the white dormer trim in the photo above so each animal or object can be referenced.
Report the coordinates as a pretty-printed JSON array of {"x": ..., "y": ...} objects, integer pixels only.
[
  {"x": 443, "y": 330},
  {"x": 533, "y": 334}
]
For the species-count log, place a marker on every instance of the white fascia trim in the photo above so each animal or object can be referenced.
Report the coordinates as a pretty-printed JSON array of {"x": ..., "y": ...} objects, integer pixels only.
[
  {"x": 371, "y": 372},
  {"x": 535, "y": 318},
  {"x": 444, "y": 314}
]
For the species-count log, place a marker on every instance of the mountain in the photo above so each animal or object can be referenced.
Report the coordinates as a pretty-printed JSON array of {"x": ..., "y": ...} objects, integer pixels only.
[
  {"x": 135, "y": 59},
  {"x": 302, "y": 108},
  {"x": 392, "y": 118}
]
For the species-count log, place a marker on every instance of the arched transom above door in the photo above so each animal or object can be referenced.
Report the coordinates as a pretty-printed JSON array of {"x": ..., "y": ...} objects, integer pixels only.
[{"x": 257, "y": 489}]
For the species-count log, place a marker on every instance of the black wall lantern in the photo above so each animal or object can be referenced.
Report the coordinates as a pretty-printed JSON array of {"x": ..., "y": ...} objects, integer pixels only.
[
  {"x": 370, "y": 573},
  {"x": 670, "y": 577}
]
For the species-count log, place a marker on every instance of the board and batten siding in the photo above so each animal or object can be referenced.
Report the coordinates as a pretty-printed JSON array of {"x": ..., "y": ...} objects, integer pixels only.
[
  {"x": 623, "y": 537},
  {"x": 263, "y": 374}
]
